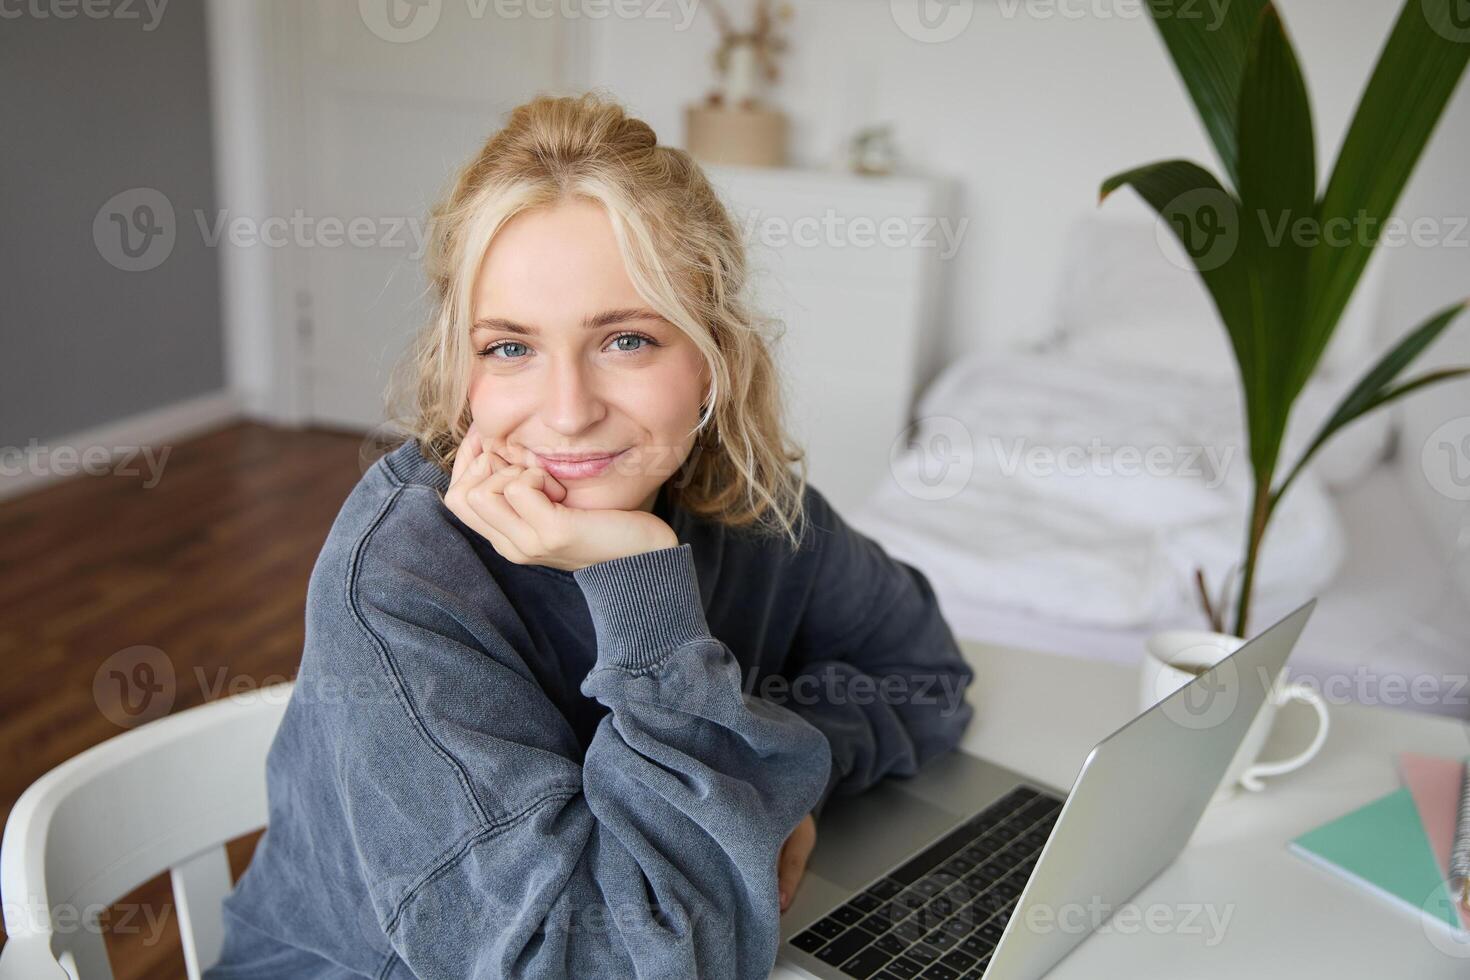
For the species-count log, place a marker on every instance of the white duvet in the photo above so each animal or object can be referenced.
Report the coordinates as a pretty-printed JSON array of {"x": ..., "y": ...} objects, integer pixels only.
[{"x": 1089, "y": 492}]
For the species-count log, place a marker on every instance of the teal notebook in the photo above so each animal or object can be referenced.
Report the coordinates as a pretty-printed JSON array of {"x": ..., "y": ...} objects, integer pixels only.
[{"x": 1382, "y": 847}]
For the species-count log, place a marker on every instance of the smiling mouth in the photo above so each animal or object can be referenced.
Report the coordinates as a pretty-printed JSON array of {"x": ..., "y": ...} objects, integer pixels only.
[
  {"x": 575, "y": 457},
  {"x": 582, "y": 467}
]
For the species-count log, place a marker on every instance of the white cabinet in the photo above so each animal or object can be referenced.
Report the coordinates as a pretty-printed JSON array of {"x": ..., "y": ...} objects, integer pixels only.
[{"x": 851, "y": 265}]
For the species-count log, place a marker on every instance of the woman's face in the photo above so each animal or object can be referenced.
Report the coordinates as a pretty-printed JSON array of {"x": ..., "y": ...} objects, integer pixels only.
[{"x": 569, "y": 361}]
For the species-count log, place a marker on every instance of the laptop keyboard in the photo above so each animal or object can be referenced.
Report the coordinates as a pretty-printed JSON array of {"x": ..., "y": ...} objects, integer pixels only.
[{"x": 940, "y": 915}]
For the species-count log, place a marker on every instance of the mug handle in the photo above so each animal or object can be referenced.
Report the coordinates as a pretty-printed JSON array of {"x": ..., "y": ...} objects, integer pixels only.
[{"x": 1250, "y": 779}]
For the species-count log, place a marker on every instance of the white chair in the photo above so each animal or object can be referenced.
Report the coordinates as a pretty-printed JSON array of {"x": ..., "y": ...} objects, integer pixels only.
[{"x": 167, "y": 796}]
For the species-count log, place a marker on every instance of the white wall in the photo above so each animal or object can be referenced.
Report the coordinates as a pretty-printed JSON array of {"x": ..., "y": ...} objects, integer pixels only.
[{"x": 1029, "y": 112}]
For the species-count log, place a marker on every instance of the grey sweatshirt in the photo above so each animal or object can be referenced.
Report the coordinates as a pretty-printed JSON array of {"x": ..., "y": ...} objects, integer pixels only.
[{"x": 498, "y": 770}]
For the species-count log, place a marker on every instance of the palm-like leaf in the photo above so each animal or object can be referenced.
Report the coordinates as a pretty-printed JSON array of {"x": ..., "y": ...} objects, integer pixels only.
[
  {"x": 1277, "y": 188},
  {"x": 1376, "y": 388},
  {"x": 1210, "y": 56},
  {"x": 1416, "y": 73},
  {"x": 1279, "y": 292}
]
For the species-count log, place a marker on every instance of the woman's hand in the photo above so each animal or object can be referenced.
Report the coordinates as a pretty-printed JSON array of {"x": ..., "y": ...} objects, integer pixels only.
[
  {"x": 791, "y": 864},
  {"x": 518, "y": 510}
]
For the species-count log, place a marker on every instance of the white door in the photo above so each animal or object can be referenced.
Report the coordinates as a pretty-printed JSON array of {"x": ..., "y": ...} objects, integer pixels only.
[{"x": 394, "y": 96}]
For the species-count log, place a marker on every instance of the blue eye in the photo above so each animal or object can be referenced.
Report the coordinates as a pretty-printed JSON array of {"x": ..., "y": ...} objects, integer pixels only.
[
  {"x": 500, "y": 345},
  {"x": 617, "y": 345},
  {"x": 633, "y": 336}
]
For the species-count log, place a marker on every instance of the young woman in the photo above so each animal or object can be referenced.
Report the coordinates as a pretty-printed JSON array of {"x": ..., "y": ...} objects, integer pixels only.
[{"x": 584, "y": 658}]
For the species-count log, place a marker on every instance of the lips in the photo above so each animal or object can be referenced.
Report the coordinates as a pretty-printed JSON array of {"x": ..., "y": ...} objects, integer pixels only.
[
  {"x": 577, "y": 467},
  {"x": 574, "y": 457}
]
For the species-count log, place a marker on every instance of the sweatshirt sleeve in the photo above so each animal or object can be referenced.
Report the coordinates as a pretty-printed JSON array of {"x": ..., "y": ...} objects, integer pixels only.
[
  {"x": 876, "y": 667},
  {"x": 654, "y": 855}
]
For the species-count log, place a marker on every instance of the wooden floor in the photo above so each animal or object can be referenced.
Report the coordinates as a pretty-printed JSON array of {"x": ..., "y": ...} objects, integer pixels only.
[{"x": 209, "y": 566}]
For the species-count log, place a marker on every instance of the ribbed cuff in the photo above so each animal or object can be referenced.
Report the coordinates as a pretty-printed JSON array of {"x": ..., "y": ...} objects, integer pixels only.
[{"x": 643, "y": 605}]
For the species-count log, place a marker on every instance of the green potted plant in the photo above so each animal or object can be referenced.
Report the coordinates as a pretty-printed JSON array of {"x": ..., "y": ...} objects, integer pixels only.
[{"x": 1279, "y": 259}]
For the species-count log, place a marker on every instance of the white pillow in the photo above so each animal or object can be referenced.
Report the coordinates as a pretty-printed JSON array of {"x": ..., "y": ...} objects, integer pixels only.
[
  {"x": 1129, "y": 291},
  {"x": 1182, "y": 347},
  {"x": 1128, "y": 294}
]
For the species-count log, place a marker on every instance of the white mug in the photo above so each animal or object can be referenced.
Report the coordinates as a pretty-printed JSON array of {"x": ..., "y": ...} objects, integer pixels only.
[{"x": 1173, "y": 658}]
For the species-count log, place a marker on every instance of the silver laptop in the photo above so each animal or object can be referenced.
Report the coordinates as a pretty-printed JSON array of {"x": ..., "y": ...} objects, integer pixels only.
[{"x": 938, "y": 875}]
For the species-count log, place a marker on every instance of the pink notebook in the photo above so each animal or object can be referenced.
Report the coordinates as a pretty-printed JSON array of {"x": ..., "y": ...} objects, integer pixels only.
[{"x": 1435, "y": 785}]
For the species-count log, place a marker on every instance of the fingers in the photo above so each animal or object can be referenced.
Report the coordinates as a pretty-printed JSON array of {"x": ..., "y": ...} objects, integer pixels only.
[
  {"x": 474, "y": 467},
  {"x": 791, "y": 865},
  {"x": 470, "y": 448},
  {"x": 789, "y": 872},
  {"x": 487, "y": 498},
  {"x": 503, "y": 545},
  {"x": 555, "y": 491},
  {"x": 474, "y": 462},
  {"x": 515, "y": 508},
  {"x": 526, "y": 492},
  {"x": 466, "y": 499}
]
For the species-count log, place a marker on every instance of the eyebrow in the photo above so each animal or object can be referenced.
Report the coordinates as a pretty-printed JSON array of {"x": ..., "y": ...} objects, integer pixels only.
[{"x": 603, "y": 319}]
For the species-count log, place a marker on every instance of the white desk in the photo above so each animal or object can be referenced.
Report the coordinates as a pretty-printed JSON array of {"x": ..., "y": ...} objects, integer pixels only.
[{"x": 1040, "y": 714}]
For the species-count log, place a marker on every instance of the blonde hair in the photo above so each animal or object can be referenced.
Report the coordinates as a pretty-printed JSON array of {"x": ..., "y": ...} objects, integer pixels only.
[{"x": 683, "y": 254}]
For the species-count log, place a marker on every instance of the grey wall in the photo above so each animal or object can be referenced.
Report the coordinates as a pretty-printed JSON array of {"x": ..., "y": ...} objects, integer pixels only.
[{"x": 94, "y": 107}]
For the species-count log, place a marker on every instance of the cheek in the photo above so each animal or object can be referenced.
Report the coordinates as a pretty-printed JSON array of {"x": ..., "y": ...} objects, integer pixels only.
[
  {"x": 492, "y": 406},
  {"x": 670, "y": 402},
  {"x": 478, "y": 391}
]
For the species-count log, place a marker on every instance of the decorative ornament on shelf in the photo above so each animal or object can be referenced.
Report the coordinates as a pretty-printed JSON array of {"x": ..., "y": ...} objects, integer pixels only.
[
  {"x": 734, "y": 124},
  {"x": 872, "y": 151}
]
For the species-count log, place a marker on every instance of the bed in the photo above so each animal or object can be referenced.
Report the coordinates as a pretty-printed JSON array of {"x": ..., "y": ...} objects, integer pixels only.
[{"x": 1060, "y": 497}]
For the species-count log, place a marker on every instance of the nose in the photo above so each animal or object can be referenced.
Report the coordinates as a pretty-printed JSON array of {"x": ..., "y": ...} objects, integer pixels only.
[{"x": 571, "y": 403}]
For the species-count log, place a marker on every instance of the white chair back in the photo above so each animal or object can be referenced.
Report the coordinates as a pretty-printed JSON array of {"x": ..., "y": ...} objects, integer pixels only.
[{"x": 165, "y": 796}]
